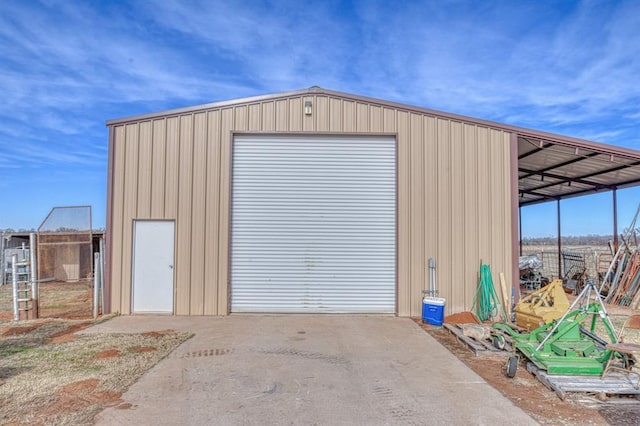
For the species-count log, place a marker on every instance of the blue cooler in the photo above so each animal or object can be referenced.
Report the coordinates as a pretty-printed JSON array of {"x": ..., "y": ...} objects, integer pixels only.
[{"x": 433, "y": 310}]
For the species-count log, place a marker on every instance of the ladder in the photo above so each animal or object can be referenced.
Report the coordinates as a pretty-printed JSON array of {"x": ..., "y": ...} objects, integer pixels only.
[{"x": 23, "y": 289}]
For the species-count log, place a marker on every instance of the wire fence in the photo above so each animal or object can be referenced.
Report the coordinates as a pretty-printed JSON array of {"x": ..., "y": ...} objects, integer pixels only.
[{"x": 572, "y": 264}]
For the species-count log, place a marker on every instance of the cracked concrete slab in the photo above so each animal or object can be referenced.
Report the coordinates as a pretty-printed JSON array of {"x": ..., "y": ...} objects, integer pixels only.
[{"x": 305, "y": 370}]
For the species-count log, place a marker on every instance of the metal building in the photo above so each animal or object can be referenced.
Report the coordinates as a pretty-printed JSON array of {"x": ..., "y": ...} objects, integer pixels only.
[{"x": 319, "y": 201}]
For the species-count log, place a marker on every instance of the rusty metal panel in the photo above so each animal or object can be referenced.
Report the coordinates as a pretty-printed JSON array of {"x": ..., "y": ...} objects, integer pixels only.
[
  {"x": 198, "y": 224},
  {"x": 159, "y": 149},
  {"x": 185, "y": 215}
]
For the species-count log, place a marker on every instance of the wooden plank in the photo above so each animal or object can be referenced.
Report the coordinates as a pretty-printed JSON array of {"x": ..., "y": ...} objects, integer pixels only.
[
  {"x": 464, "y": 339},
  {"x": 506, "y": 300},
  {"x": 545, "y": 381},
  {"x": 479, "y": 347},
  {"x": 613, "y": 384}
]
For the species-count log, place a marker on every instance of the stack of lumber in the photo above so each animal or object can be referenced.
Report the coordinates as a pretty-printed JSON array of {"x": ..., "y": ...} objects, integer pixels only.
[{"x": 622, "y": 281}]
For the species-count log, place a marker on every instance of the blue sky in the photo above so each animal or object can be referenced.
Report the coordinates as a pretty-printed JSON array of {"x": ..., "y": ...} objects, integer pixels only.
[{"x": 568, "y": 67}]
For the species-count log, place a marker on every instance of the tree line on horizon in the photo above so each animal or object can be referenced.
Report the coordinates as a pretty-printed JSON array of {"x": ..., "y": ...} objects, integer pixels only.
[{"x": 573, "y": 240}]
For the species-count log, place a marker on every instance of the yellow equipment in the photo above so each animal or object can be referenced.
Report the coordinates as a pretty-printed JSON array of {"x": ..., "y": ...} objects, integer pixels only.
[{"x": 543, "y": 306}]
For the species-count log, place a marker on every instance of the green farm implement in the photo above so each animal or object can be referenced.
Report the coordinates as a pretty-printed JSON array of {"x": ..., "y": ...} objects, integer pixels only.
[{"x": 569, "y": 345}]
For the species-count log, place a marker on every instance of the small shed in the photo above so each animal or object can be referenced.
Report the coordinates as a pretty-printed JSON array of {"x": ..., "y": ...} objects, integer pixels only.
[{"x": 316, "y": 201}]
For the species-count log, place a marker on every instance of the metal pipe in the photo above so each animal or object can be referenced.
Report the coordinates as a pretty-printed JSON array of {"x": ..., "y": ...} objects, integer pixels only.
[
  {"x": 615, "y": 217},
  {"x": 4, "y": 264},
  {"x": 33, "y": 273},
  {"x": 520, "y": 228},
  {"x": 432, "y": 277},
  {"x": 96, "y": 283},
  {"x": 559, "y": 242},
  {"x": 14, "y": 279},
  {"x": 102, "y": 265}
]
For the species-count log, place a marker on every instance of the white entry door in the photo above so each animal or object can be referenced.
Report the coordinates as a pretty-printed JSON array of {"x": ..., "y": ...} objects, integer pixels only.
[{"x": 153, "y": 266}]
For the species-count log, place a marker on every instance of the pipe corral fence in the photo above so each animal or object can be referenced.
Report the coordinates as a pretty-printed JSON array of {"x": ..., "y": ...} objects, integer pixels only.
[{"x": 65, "y": 246}]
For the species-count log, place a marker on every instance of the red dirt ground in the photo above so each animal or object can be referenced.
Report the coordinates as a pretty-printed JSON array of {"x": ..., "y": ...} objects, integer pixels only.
[
  {"x": 142, "y": 349},
  {"x": 79, "y": 395},
  {"x": 109, "y": 353},
  {"x": 528, "y": 393}
]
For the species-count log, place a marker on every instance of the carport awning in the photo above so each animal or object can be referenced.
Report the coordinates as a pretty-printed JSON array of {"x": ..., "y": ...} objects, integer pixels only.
[{"x": 552, "y": 169}]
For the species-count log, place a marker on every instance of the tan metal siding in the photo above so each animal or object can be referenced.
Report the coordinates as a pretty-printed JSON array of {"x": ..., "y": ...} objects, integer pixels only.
[
  {"x": 444, "y": 235},
  {"x": 349, "y": 116},
  {"x": 158, "y": 170},
  {"x": 212, "y": 208},
  {"x": 295, "y": 115},
  {"x": 375, "y": 119},
  {"x": 171, "y": 177},
  {"x": 417, "y": 223},
  {"x": 362, "y": 118},
  {"x": 335, "y": 115},
  {"x": 470, "y": 262},
  {"x": 404, "y": 211},
  {"x": 223, "y": 227},
  {"x": 129, "y": 208},
  {"x": 453, "y": 194},
  {"x": 268, "y": 116},
  {"x": 456, "y": 193},
  {"x": 255, "y": 117},
  {"x": 117, "y": 214},
  {"x": 198, "y": 224},
  {"x": 321, "y": 112},
  {"x": 430, "y": 185},
  {"x": 144, "y": 173},
  {"x": 185, "y": 216}
]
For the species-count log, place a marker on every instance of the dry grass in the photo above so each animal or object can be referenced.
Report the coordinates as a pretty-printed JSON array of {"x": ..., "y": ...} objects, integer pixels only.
[
  {"x": 50, "y": 376},
  {"x": 57, "y": 300}
]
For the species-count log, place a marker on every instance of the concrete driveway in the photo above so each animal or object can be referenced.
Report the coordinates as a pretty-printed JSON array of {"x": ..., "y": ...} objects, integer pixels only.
[{"x": 305, "y": 370}]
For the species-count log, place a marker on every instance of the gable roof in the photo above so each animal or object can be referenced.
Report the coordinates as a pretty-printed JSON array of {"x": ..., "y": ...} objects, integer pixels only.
[{"x": 550, "y": 166}]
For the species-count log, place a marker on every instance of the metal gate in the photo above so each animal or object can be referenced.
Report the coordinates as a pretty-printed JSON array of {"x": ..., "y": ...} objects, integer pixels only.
[{"x": 313, "y": 224}]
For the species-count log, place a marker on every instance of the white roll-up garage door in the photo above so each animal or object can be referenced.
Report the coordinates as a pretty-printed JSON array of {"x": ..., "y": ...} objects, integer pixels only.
[{"x": 313, "y": 224}]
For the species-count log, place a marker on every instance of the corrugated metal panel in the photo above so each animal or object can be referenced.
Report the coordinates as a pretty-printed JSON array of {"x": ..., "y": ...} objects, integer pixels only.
[
  {"x": 212, "y": 208},
  {"x": 429, "y": 160},
  {"x": 198, "y": 213},
  {"x": 185, "y": 216},
  {"x": 313, "y": 224}
]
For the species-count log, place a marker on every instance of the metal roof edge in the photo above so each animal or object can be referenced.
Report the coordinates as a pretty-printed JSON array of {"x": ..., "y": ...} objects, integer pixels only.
[
  {"x": 212, "y": 105},
  {"x": 316, "y": 90}
]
